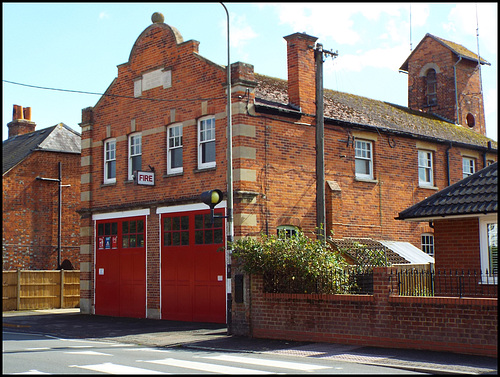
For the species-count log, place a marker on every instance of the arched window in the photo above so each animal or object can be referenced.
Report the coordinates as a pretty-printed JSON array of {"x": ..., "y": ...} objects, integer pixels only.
[
  {"x": 431, "y": 92},
  {"x": 471, "y": 121},
  {"x": 287, "y": 231}
]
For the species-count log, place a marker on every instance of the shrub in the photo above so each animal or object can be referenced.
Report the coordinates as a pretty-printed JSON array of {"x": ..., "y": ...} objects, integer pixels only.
[{"x": 294, "y": 264}]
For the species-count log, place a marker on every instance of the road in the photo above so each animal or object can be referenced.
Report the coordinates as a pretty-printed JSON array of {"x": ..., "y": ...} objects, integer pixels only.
[{"x": 25, "y": 353}]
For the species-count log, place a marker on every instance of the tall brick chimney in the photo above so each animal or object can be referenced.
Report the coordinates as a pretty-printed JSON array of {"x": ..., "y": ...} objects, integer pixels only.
[
  {"x": 301, "y": 72},
  {"x": 21, "y": 121}
]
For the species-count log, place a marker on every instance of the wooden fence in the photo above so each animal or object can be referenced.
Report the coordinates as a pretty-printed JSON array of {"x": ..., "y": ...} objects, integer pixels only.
[{"x": 29, "y": 289}]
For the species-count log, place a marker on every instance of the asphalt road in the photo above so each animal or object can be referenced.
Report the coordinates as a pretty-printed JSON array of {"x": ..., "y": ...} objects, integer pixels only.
[{"x": 25, "y": 353}]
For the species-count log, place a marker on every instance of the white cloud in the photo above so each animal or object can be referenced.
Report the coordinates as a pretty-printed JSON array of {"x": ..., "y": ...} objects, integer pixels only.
[{"x": 241, "y": 31}]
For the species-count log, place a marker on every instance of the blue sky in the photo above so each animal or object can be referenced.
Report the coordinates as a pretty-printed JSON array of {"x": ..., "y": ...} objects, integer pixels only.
[{"x": 77, "y": 46}]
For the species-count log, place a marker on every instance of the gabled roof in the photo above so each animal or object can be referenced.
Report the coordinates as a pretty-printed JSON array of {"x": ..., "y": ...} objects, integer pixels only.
[
  {"x": 58, "y": 138},
  {"x": 457, "y": 49},
  {"x": 474, "y": 195},
  {"x": 366, "y": 113}
]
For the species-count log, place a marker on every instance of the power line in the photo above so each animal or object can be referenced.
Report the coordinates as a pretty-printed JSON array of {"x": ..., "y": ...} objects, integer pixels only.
[{"x": 111, "y": 95}]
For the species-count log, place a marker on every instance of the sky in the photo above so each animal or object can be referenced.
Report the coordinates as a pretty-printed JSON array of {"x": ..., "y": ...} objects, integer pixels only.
[{"x": 76, "y": 47}]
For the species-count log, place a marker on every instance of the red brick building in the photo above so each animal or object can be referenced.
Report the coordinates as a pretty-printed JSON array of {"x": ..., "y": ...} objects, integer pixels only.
[
  {"x": 151, "y": 250},
  {"x": 30, "y": 212},
  {"x": 465, "y": 220}
]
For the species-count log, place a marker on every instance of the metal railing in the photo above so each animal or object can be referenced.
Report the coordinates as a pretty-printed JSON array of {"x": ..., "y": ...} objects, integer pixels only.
[
  {"x": 352, "y": 280},
  {"x": 451, "y": 283}
]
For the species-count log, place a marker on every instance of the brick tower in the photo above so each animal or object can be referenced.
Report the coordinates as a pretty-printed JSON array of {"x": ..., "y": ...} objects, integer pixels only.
[{"x": 444, "y": 79}]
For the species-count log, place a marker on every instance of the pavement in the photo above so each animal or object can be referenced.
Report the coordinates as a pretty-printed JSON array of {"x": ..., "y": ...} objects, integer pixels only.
[{"x": 71, "y": 324}]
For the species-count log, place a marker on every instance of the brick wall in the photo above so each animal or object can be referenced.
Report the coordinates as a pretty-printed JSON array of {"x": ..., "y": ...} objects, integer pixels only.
[
  {"x": 467, "y": 82},
  {"x": 464, "y": 325},
  {"x": 30, "y": 212}
]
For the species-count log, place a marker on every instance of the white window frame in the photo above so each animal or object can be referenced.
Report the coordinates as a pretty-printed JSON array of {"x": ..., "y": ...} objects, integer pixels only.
[
  {"x": 174, "y": 143},
  {"x": 134, "y": 151},
  {"x": 109, "y": 157},
  {"x": 366, "y": 155},
  {"x": 427, "y": 243},
  {"x": 468, "y": 166},
  {"x": 289, "y": 229},
  {"x": 484, "y": 246},
  {"x": 205, "y": 136},
  {"x": 427, "y": 168}
]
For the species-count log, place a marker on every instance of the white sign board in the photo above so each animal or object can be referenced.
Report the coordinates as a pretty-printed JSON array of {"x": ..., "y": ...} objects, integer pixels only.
[{"x": 145, "y": 178}]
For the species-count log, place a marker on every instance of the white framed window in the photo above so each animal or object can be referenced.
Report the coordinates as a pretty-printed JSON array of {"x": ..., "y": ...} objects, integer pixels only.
[
  {"x": 134, "y": 154},
  {"x": 206, "y": 143},
  {"x": 468, "y": 166},
  {"x": 488, "y": 245},
  {"x": 428, "y": 243},
  {"x": 287, "y": 231},
  {"x": 110, "y": 161},
  {"x": 363, "y": 159},
  {"x": 425, "y": 170},
  {"x": 174, "y": 149}
]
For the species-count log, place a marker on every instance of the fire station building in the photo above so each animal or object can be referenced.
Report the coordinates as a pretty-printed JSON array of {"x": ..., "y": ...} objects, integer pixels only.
[{"x": 157, "y": 139}]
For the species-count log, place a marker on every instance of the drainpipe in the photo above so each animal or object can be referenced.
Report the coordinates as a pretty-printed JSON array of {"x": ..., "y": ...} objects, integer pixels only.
[
  {"x": 456, "y": 89},
  {"x": 448, "y": 163}
]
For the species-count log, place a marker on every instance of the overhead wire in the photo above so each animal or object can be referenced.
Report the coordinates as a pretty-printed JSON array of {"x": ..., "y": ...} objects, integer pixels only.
[{"x": 112, "y": 95}]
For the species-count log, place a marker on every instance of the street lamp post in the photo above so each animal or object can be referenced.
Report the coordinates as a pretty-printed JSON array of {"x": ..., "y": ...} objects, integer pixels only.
[{"x": 230, "y": 227}]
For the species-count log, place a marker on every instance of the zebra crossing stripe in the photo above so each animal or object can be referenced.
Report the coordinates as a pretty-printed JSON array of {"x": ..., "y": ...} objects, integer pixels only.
[
  {"x": 116, "y": 369},
  {"x": 222, "y": 369},
  {"x": 267, "y": 363}
]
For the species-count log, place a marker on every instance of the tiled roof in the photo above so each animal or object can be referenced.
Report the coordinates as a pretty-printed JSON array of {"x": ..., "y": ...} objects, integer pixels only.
[
  {"x": 395, "y": 252},
  {"x": 58, "y": 138},
  {"x": 459, "y": 50},
  {"x": 476, "y": 194},
  {"x": 372, "y": 114}
]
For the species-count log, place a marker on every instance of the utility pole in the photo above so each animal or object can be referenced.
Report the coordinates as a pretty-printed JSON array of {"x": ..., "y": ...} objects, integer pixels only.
[
  {"x": 59, "y": 210},
  {"x": 320, "y": 142}
]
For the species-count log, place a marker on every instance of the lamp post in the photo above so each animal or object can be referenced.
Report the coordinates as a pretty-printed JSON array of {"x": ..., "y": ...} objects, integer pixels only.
[{"x": 230, "y": 227}]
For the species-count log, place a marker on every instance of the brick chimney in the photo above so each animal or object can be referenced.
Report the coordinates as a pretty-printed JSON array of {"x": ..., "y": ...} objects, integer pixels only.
[
  {"x": 21, "y": 122},
  {"x": 301, "y": 72}
]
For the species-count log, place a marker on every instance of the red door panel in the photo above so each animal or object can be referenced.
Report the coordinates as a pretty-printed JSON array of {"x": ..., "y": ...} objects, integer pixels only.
[{"x": 193, "y": 270}]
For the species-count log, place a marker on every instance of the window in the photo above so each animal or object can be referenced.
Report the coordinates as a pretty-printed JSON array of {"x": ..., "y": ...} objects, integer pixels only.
[
  {"x": 206, "y": 143},
  {"x": 364, "y": 159},
  {"x": 174, "y": 149},
  {"x": 110, "y": 161},
  {"x": 428, "y": 243},
  {"x": 176, "y": 231},
  {"x": 208, "y": 230},
  {"x": 431, "y": 83},
  {"x": 425, "y": 174},
  {"x": 286, "y": 231},
  {"x": 133, "y": 233},
  {"x": 488, "y": 230},
  {"x": 135, "y": 154},
  {"x": 468, "y": 166}
]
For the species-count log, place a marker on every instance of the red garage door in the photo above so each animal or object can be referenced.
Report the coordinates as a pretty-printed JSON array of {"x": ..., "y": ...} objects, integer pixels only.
[
  {"x": 121, "y": 268},
  {"x": 193, "y": 274}
]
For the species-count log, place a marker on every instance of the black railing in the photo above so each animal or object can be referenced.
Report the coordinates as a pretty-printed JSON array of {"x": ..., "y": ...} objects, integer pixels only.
[
  {"x": 413, "y": 282},
  {"x": 353, "y": 280}
]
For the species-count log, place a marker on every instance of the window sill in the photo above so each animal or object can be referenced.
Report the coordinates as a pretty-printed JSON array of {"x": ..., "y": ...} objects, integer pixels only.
[
  {"x": 205, "y": 169},
  {"x": 368, "y": 180},
  {"x": 429, "y": 187},
  {"x": 110, "y": 184},
  {"x": 168, "y": 175}
]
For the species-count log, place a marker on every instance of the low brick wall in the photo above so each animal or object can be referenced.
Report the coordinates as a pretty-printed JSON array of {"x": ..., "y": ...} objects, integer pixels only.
[{"x": 460, "y": 325}]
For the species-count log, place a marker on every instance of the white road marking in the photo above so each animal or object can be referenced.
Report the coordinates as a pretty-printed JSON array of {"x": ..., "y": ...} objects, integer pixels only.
[
  {"x": 90, "y": 353},
  {"x": 267, "y": 363},
  {"x": 221, "y": 369},
  {"x": 116, "y": 369}
]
